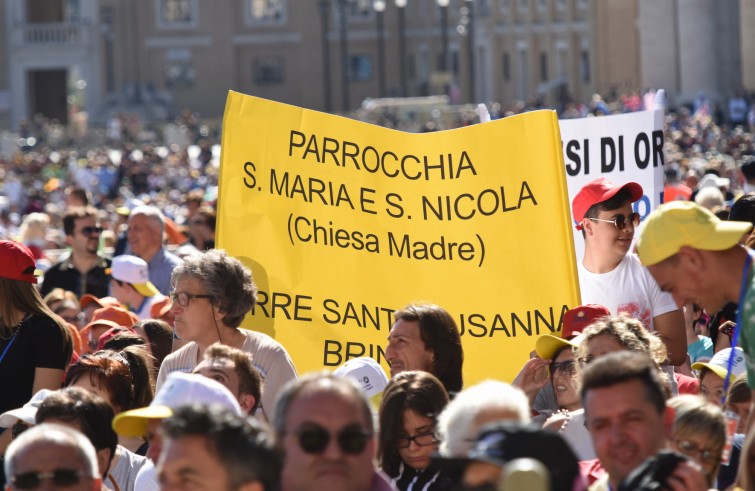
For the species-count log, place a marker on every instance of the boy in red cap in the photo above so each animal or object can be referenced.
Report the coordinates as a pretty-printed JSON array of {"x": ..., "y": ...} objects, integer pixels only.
[{"x": 612, "y": 276}]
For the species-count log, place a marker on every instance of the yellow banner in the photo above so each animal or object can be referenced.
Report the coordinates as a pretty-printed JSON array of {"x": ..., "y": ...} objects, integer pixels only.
[{"x": 343, "y": 222}]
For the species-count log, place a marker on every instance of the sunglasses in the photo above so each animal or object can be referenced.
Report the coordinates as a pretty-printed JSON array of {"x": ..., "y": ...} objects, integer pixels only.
[
  {"x": 87, "y": 231},
  {"x": 60, "y": 477},
  {"x": 565, "y": 367},
  {"x": 315, "y": 439},
  {"x": 620, "y": 221}
]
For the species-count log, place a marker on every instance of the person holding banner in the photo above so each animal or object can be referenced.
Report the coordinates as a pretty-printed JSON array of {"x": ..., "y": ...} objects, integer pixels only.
[
  {"x": 425, "y": 337},
  {"x": 212, "y": 292},
  {"x": 610, "y": 275}
]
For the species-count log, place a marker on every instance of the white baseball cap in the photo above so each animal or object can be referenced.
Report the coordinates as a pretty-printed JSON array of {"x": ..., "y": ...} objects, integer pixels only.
[
  {"x": 27, "y": 413},
  {"x": 133, "y": 270},
  {"x": 179, "y": 389},
  {"x": 369, "y": 375},
  {"x": 719, "y": 364}
]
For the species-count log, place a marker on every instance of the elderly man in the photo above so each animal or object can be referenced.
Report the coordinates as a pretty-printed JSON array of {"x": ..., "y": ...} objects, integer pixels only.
[
  {"x": 217, "y": 450},
  {"x": 146, "y": 226},
  {"x": 213, "y": 293},
  {"x": 425, "y": 337},
  {"x": 52, "y": 454},
  {"x": 325, "y": 427},
  {"x": 473, "y": 408},
  {"x": 629, "y": 422}
]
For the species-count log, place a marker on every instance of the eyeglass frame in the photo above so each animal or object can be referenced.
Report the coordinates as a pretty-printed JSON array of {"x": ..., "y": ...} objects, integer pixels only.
[
  {"x": 40, "y": 476},
  {"x": 633, "y": 217},
  {"x": 176, "y": 296},
  {"x": 712, "y": 457},
  {"x": 410, "y": 439}
]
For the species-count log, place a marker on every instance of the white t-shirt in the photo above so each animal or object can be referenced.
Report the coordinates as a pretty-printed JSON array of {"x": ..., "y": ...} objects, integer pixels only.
[
  {"x": 146, "y": 480},
  {"x": 628, "y": 289}
]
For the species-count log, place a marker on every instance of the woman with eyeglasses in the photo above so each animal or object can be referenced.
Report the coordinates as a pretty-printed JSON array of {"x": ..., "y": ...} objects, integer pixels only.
[
  {"x": 407, "y": 439},
  {"x": 35, "y": 344},
  {"x": 569, "y": 420},
  {"x": 699, "y": 432}
]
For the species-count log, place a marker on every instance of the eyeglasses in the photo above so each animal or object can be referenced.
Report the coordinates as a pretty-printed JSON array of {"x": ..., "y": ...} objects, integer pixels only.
[
  {"x": 60, "y": 477},
  {"x": 87, "y": 231},
  {"x": 198, "y": 222},
  {"x": 183, "y": 298},
  {"x": 423, "y": 440},
  {"x": 620, "y": 221},
  {"x": 691, "y": 449},
  {"x": 314, "y": 439},
  {"x": 73, "y": 319},
  {"x": 565, "y": 367}
]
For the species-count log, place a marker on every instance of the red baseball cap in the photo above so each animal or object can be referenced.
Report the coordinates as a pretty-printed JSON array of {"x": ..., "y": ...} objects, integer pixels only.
[
  {"x": 17, "y": 262},
  {"x": 598, "y": 191},
  {"x": 572, "y": 325},
  {"x": 111, "y": 333}
]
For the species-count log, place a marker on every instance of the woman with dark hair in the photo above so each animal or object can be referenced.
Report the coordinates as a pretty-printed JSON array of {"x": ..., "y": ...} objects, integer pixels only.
[
  {"x": 124, "y": 379},
  {"x": 159, "y": 335},
  {"x": 35, "y": 344},
  {"x": 409, "y": 412}
]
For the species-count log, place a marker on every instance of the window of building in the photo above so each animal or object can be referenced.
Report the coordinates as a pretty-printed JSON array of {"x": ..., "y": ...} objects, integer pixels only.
[
  {"x": 355, "y": 9},
  {"x": 561, "y": 4},
  {"x": 177, "y": 13},
  {"x": 266, "y": 11},
  {"x": 523, "y": 5},
  {"x": 585, "y": 66},
  {"x": 543, "y": 67},
  {"x": 360, "y": 68},
  {"x": 179, "y": 69},
  {"x": 583, "y": 3},
  {"x": 506, "y": 67},
  {"x": 541, "y": 5},
  {"x": 505, "y": 6},
  {"x": 268, "y": 70}
]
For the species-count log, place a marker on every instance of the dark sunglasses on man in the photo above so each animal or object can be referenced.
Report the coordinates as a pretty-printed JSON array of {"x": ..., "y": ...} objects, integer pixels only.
[
  {"x": 60, "y": 477},
  {"x": 314, "y": 439}
]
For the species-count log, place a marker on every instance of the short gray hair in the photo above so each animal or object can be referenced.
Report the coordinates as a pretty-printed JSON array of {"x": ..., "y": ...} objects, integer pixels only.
[
  {"x": 155, "y": 216},
  {"x": 51, "y": 433},
  {"x": 455, "y": 422},
  {"x": 325, "y": 382},
  {"x": 225, "y": 278}
]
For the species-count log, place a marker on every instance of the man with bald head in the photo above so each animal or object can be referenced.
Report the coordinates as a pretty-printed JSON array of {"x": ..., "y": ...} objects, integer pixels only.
[
  {"x": 146, "y": 226},
  {"x": 324, "y": 425},
  {"x": 54, "y": 455}
]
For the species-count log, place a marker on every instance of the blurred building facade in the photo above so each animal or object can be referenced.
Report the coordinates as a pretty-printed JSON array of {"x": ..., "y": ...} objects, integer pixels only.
[{"x": 154, "y": 57}]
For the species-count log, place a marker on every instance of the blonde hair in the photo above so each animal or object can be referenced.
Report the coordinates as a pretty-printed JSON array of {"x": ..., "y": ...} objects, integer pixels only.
[
  {"x": 629, "y": 333},
  {"x": 693, "y": 415}
]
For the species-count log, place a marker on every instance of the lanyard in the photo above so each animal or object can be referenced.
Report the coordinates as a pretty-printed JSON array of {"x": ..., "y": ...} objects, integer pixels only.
[
  {"x": 2, "y": 357},
  {"x": 738, "y": 326}
]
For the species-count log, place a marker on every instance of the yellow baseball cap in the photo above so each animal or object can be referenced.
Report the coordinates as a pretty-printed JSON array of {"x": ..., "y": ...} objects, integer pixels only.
[{"x": 684, "y": 223}]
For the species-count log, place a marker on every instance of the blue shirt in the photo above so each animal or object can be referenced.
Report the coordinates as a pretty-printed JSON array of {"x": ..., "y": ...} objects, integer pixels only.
[{"x": 160, "y": 268}]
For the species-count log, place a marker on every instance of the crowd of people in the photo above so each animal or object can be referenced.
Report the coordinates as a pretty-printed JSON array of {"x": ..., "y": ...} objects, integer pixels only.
[{"x": 124, "y": 365}]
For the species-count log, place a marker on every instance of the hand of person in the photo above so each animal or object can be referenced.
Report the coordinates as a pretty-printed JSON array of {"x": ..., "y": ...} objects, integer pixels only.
[
  {"x": 687, "y": 476},
  {"x": 532, "y": 377}
]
